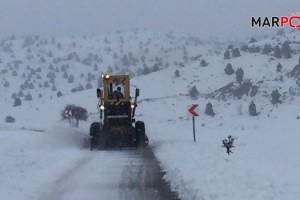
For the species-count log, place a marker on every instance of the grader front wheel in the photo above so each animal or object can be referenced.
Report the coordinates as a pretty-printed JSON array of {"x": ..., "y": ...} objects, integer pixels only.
[
  {"x": 142, "y": 140},
  {"x": 94, "y": 134}
]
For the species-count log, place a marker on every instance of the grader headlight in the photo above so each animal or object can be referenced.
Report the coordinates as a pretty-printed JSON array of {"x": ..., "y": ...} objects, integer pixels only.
[
  {"x": 107, "y": 76},
  {"x": 132, "y": 106},
  {"x": 101, "y": 107}
]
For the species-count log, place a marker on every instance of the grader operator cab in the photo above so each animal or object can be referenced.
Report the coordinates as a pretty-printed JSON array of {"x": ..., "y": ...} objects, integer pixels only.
[{"x": 115, "y": 129}]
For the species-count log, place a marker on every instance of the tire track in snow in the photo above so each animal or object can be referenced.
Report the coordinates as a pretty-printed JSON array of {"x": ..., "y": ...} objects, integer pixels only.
[
  {"x": 59, "y": 187},
  {"x": 144, "y": 180},
  {"x": 112, "y": 174}
]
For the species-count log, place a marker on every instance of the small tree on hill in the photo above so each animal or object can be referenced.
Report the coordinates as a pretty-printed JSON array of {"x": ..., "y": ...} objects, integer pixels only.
[
  {"x": 6, "y": 84},
  {"x": 227, "y": 55},
  {"x": 9, "y": 119},
  {"x": 203, "y": 63},
  {"x": 236, "y": 52},
  {"x": 209, "y": 110},
  {"x": 59, "y": 94},
  {"x": 228, "y": 69},
  {"x": 17, "y": 102},
  {"x": 267, "y": 49},
  {"x": 279, "y": 67},
  {"x": 28, "y": 97},
  {"x": 239, "y": 75},
  {"x": 280, "y": 32},
  {"x": 252, "y": 109},
  {"x": 277, "y": 52},
  {"x": 194, "y": 93},
  {"x": 71, "y": 79},
  {"x": 286, "y": 50},
  {"x": 275, "y": 97},
  {"x": 177, "y": 73},
  {"x": 252, "y": 40}
]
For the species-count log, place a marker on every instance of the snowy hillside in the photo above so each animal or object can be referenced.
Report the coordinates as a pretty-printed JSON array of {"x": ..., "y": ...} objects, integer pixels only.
[{"x": 172, "y": 72}]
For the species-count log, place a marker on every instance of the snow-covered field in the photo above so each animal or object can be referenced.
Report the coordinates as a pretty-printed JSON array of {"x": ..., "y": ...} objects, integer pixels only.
[{"x": 38, "y": 150}]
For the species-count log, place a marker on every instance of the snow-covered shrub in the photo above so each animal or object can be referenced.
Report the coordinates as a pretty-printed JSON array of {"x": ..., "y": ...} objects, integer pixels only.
[
  {"x": 28, "y": 42},
  {"x": 20, "y": 93},
  {"x": 267, "y": 49},
  {"x": 88, "y": 86},
  {"x": 65, "y": 75},
  {"x": 239, "y": 75},
  {"x": 278, "y": 67},
  {"x": 90, "y": 77},
  {"x": 64, "y": 67},
  {"x": 227, "y": 54},
  {"x": 277, "y": 52},
  {"x": 286, "y": 50},
  {"x": 28, "y": 97},
  {"x": 95, "y": 67},
  {"x": 228, "y": 69},
  {"x": 17, "y": 102},
  {"x": 244, "y": 47},
  {"x": 4, "y": 71},
  {"x": 10, "y": 119},
  {"x": 71, "y": 79},
  {"x": 155, "y": 68},
  {"x": 203, "y": 63},
  {"x": 252, "y": 109},
  {"x": 145, "y": 70},
  {"x": 275, "y": 97},
  {"x": 51, "y": 67},
  {"x": 254, "y": 49},
  {"x": 53, "y": 88},
  {"x": 6, "y": 84},
  {"x": 228, "y": 144},
  {"x": 236, "y": 52},
  {"x": 14, "y": 95},
  {"x": 42, "y": 60},
  {"x": 295, "y": 72},
  {"x": 254, "y": 90},
  {"x": 51, "y": 75},
  {"x": 252, "y": 40},
  {"x": 31, "y": 86},
  {"x": 280, "y": 32},
  {"x": 46, "y": 84},
  {"x": 109, "y": 70},
  {"x": 14, "y": 73},
  {"x": 194, "y": 93},
  {"x": 80, "y": 88},
  {"x": 38, "y": 76},
  {"x": 59, "y": 94},
  {"x": 177, "y": 73},
  {"x": 209, "y": 110},
  {"x": 115, "y": 55}
]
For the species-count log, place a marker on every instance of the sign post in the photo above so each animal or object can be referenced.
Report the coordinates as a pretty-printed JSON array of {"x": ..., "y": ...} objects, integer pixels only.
[{"x": 194, "y": 114}]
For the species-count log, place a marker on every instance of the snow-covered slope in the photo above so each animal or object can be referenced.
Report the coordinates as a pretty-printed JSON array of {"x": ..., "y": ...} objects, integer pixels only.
[{"x": 264, "y": 164}]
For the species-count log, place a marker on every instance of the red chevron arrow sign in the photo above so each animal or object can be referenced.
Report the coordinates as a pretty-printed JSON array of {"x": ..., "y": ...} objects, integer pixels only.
[
  {"x": 193, "y": 111},
  {"x": 68, "y": 113}
]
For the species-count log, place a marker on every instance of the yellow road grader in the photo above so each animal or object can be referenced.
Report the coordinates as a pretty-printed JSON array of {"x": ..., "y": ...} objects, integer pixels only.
[{"x": 115, "y": 129}]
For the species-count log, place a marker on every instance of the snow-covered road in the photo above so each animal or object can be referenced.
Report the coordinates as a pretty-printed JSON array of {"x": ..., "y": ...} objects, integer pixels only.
[{"x": 53, "y": 166}]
